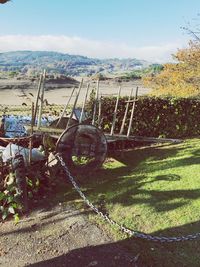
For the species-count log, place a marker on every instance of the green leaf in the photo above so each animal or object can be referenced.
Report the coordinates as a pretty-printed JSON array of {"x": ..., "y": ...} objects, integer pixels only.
[
  {"x": 16, "y": 218},
  {"x": 2, "y": 196},
  {"x": 11, "y": 210},
  {"x": 5, "y": 215},
  {"x": 10, "y": 199},
  {"x": 11, "y": 179}
]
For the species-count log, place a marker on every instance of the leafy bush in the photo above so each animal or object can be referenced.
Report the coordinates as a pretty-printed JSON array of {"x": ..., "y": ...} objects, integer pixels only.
[
  {"x": 10, "y": 198},
  {"x": 9, "y": 202},
  {"x": 154, "y": 116}
]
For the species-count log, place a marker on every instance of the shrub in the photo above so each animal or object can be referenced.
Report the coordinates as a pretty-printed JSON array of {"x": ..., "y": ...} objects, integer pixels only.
[{"x": 157, "y": 117}]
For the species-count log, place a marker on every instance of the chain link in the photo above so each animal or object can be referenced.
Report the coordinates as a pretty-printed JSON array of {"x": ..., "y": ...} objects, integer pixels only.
[{"x": 137, "y": 234}]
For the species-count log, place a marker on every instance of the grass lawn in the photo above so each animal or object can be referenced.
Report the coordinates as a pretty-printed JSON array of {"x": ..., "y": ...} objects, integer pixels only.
[{"x": 155, "y": 190}]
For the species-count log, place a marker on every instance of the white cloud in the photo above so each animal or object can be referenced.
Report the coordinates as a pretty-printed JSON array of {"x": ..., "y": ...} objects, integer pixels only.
[{"x": 86, "y": 47}]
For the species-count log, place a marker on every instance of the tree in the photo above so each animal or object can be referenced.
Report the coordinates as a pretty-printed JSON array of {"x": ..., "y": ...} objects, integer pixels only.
[
  {"x": 4, "y": 1},
  {"x": 180, "y": 79}
]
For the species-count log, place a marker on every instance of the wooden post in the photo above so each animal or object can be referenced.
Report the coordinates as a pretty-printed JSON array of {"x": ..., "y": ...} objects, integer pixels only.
[
  {"x": 84, "y": 102},
  {"x": 31, "y": 140},
  {"x": 132, "y": 112},
  {"x": 37, "y": 98},
  {"x": 95, "y": 103},
  {"x": 126, "y": 112},
  {"x": 115, "y": 112},
  {"x": 99, "y": 113},
  {"x": 75, "y": 102},
  {"x": 41, "y": 101},
  {"x": 65, "y": 108}
]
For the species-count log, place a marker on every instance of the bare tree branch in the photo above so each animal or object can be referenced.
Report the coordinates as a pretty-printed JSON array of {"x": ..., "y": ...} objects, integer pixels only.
[{"x": 195, "y": 34}]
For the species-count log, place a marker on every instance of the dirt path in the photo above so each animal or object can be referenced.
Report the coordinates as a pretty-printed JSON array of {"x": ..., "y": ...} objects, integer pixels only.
[{"x": 62, "y": 236}]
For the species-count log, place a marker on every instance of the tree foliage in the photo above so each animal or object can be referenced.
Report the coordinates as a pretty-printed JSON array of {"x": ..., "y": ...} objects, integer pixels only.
[
  {"x": 4, "y": 1},
  {"x": 181, "y": 79}
]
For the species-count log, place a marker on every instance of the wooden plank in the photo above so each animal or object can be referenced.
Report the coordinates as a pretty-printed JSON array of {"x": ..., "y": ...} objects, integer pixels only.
[
  {"x": 155, "y": 140},
  {"x": 41, "y": 100},
  {"x": 126, "y": 112},
  {"x": 37, "y": 98},
  {"x": 99, "y": 113},
  {"x": 132, "y": 113},
  {"x": 75, "y": 102},
  {"x": 136, "y": 138},
  {"x": 115, "y": 112},
  {"x": 66, "y": 106},
  {"x": 131, "y": 101},
  {"x": 84, "y": 102},
  {"x": 31, "y": 139},
  {"x": 95, "y": 103},
  {"x": 43, "y": 130}
]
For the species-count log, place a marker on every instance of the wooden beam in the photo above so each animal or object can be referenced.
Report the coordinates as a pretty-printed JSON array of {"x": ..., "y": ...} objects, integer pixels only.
[
  {"x": 37, "y": 98},
  {"x": 126, "y": 112},
  {"x": 41, "y": 100},
  {"x": 84, "y": 102},
  {"x": 75, "y": 102},
  {"x": 115, "y": 112},
  {"x": 99, "y": 113},
  {"x": 131, "y": 101},
  {"x": 132, "y": 112},
  {"x": 66, "y": 106},
  {"x": 31, "y": 137},
  {"x": 95, "y": 103}
]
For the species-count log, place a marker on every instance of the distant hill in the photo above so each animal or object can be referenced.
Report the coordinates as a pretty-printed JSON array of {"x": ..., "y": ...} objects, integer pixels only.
[{"x": 32, "y": 62}]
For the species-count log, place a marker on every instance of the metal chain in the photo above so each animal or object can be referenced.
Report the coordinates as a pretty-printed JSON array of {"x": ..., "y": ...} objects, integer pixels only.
[{"x": 134, "y": 233}]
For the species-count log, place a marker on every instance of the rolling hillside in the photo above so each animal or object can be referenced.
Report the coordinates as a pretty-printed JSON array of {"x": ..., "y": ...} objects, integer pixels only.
[{"x": 72, "y": 65}]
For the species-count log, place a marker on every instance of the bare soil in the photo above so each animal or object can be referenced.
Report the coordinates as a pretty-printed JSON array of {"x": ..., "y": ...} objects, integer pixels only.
[
  {"x": 59, "y": 236},
  {"x": 13, "y": 92}
]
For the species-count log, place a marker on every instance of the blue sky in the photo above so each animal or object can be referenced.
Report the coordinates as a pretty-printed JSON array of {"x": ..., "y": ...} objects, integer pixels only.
[{"x": 148, "y": 29}]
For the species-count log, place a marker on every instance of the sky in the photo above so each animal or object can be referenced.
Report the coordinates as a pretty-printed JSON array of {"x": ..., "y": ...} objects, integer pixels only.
[{"x": 143, "y": 29}]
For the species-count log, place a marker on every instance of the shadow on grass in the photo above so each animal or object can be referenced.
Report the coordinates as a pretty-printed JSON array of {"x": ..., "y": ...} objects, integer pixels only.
[
  {"x": 121, "y": 185},
  {"x": 107, "y": 181},
  {"x": 126, "y": 185}
]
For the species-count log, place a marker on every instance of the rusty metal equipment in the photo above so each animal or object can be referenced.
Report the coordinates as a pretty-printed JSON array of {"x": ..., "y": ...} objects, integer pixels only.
[{"x": 83, "y": 147}]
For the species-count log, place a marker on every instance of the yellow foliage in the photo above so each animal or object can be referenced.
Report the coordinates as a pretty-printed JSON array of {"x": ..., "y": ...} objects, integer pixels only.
[{"x": 180, "y": 79}]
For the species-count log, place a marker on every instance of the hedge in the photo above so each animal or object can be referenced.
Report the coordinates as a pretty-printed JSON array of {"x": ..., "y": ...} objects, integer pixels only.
[{"x": 155, "y": 117}]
